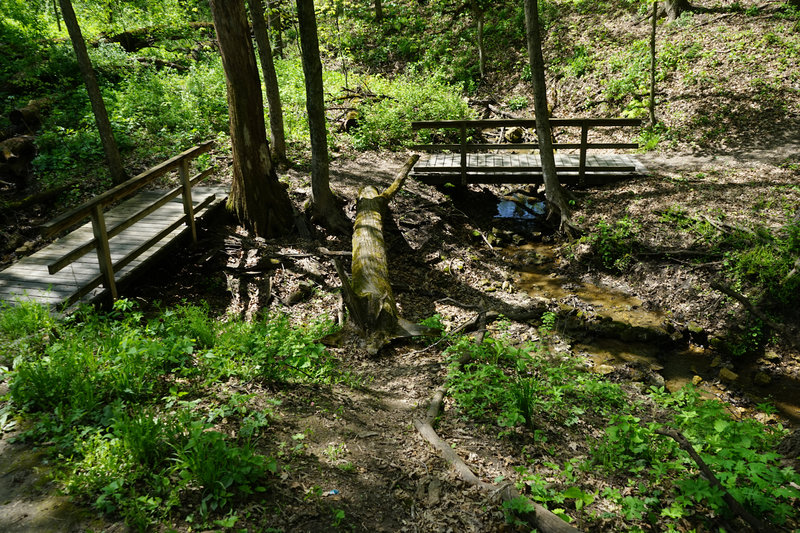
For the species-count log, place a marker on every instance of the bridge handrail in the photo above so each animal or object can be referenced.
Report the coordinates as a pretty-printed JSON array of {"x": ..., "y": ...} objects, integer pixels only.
[
  {"x": 124, "y": 189},
  {"x": 94, "y": 209},
  {"x": 464, "y": 148}
]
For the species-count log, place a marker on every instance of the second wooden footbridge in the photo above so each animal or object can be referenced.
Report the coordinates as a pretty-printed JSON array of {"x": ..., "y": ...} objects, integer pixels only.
[{"x": 472, "y": 162}]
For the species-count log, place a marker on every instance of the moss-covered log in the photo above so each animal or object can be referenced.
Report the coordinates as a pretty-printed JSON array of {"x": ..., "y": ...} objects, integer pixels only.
[{"x": 369, "y": 296}]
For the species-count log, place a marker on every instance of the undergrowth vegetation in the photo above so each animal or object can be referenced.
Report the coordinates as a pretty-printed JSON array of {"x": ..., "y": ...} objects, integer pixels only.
[
  {"x": 529, "y": 394},
  {"x": 130, "y": 408}
]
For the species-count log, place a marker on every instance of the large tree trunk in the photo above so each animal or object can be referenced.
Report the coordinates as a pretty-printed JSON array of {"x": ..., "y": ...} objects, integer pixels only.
[
  {"x": 554, "y": 193},
  {"x": 278, "y": 137},
  {"x": 673, "y": 8},
  {"x": 98, "y": 106},
  {"x": 323, "y": 203},
  {"x": 257, "y": 198}
]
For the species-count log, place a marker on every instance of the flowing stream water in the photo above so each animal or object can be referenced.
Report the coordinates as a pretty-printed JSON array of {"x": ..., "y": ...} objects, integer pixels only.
[{"x": 678, "y": 363}]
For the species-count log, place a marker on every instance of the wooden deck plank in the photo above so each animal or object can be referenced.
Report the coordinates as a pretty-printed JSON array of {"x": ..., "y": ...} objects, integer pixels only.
[
  {"x": 28, "y": 278},
  {"x": 506, "y": 167}
]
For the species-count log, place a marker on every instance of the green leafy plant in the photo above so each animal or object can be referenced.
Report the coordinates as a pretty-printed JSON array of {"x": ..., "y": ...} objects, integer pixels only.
[{"x": 614, "y": 244}]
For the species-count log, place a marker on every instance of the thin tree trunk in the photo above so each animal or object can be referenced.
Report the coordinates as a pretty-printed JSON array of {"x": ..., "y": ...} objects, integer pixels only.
[
  {"x": 95, "y": 97},
  {"x": 553, "y": 192},
  {"x": 278, "y": 137},
  {"x": 378, "y": 11},
  {"x": 652, "y": 104},
  {"x": 276, "y": 25},
  {"x": 257, "y": 198},
  {"x": 56, "y": 15},
  {"x": 322, "y": 200},
  {"x": 481, "y": 48}
]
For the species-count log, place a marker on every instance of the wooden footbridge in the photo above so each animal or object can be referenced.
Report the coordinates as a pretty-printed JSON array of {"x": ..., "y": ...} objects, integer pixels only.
[
  {"x": 470, "y": 162},
  {"x": 128, "y": 227}
]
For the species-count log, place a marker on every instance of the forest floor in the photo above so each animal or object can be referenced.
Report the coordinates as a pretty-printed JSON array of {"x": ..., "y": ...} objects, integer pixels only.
[
  {"x": 354, "y": 451},
  {"x": 349, "y": 457}
]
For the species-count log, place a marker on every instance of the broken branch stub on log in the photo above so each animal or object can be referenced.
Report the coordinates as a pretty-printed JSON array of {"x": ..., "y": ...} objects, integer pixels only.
[{"x": 368, "y": 295}]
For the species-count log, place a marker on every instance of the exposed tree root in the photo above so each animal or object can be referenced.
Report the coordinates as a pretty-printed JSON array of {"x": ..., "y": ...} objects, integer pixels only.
[
  {"x": 539, "y": 518},
  {"x": 732, "y": 503},
  {"x": 754, "y": 310}
]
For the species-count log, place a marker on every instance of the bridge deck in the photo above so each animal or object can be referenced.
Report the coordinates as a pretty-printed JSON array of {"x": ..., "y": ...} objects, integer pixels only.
[
  {"x": 436, "y": 169},
  {"x": 28, "y": 278}
]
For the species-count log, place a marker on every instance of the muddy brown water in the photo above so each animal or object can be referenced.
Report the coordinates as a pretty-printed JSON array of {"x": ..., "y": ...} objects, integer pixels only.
[{"x": 678, "y": 365}]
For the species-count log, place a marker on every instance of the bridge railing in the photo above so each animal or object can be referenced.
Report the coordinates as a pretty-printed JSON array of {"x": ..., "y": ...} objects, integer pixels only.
[
  {"x": 464, "y": 148},
  {"x": 94, "y": 209}
]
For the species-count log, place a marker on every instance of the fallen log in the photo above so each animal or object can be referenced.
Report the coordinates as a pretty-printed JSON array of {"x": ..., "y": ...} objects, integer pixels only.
[
  {"x": 727, "y": 291},
  {"x": 159, "y": 64},
  {"x": 49, "y": 195},
  {"x": 368, "y": 295},
  {"x": 732, "y": 503}
]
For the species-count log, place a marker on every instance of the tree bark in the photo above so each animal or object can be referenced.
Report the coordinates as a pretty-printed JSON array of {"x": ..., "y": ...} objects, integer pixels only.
[
  {"x": 378, "y": 11},
  {"x": 674, "y": 8},
  {"x": 113, "y": 158},
  {"x": 652, "y": 104},
  {"x": 277, "y": 134},
  {"x": 276, "y": 25},
  {"x": 257, "y": 198},
  {"x": 554, "y": 193},
  {"x": 322, "y": 201}
]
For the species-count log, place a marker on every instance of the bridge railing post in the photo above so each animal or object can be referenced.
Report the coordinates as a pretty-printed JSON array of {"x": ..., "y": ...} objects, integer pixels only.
[
  {"x": 463, "y": 131},
  {"x": 188, "y": 206},
  {"x": 583, "y": 148},
  {"x": 103, "y": 250}
]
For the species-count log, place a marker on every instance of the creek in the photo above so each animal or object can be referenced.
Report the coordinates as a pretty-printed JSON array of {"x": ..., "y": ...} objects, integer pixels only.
[{"x": 642, "y": 342}]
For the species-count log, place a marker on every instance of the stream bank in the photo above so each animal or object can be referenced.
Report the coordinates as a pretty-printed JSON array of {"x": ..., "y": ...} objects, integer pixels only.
[{"x": 626, "y": 338}]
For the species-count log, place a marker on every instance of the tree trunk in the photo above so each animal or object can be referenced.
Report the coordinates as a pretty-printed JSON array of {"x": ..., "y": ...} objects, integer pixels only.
[
  {"x": 56, "y": 15},
  {"x": 277, "y": 135},
  {"x": 378, "y": 11},
  {"x": 98, "y": 106},
  {"x": 553, "y": 192},
  {"x": 481, "y": 48},
  {"x": 256, "y": 197},
  {"x": 322, "y": 200},
  {"x": 673, "y": 8},
  {"x": 652, "y": 103},
  {"x": 276, "y": 25}
]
